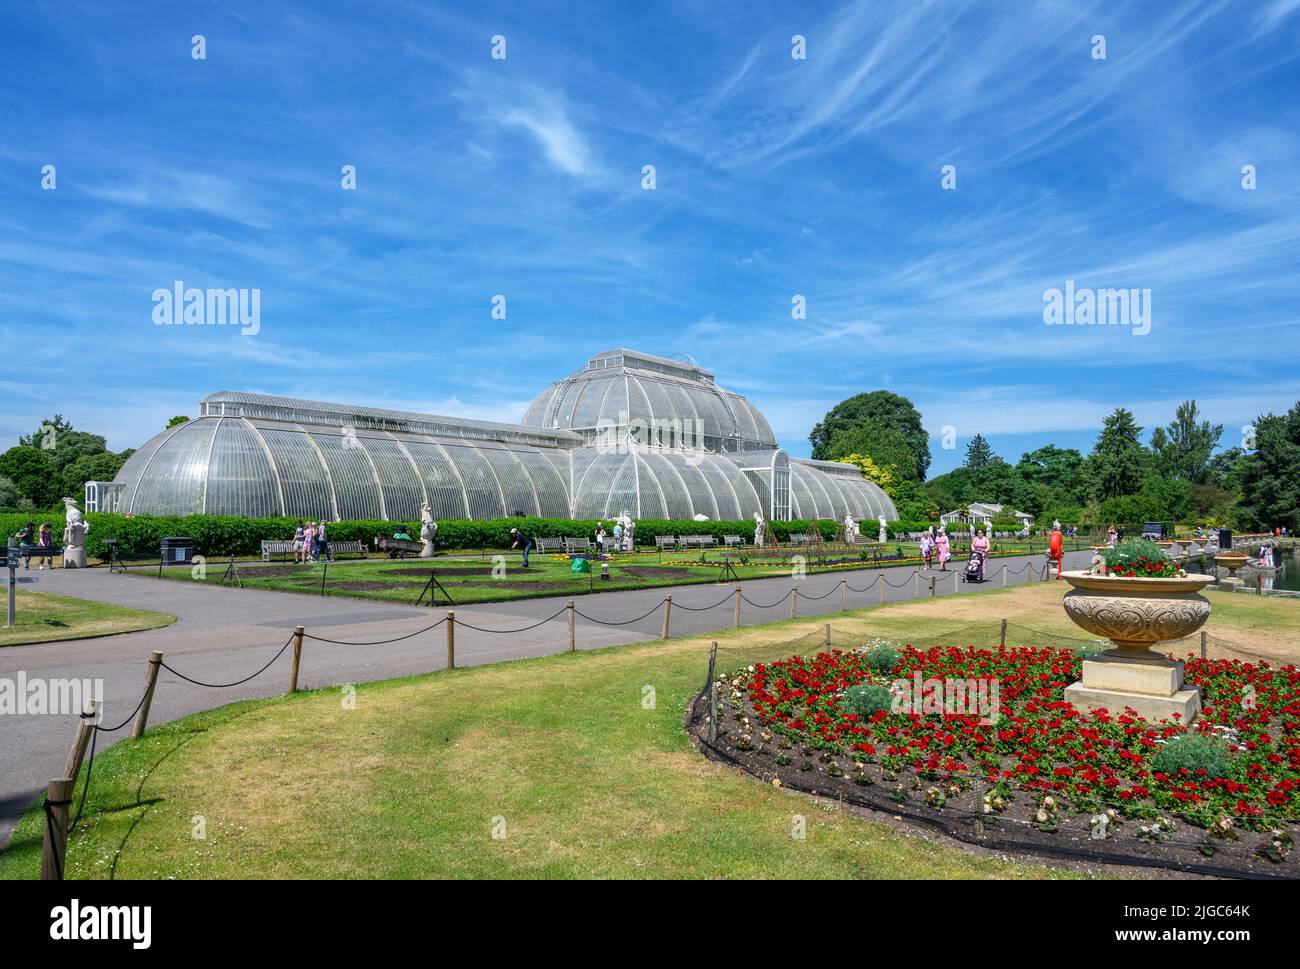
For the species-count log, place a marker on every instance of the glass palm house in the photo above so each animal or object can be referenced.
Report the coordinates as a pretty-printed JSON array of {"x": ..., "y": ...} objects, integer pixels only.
[{"x": 653, "y": 436}]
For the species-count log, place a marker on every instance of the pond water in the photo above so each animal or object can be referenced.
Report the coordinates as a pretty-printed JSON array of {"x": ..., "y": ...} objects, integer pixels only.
[{"x": 1287, "y": 576}]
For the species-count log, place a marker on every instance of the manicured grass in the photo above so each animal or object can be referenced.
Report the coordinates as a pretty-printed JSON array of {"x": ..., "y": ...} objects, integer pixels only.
[
  {"x": 42, "y": 618},
  {"x": 549, "y": 575},
  {"x": 586, "y": 777}
]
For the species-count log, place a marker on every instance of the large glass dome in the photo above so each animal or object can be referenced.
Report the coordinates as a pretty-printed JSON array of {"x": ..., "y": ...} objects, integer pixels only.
[
  {"x": 668, "y": 401},
  {"x": 649, "y": 435}
]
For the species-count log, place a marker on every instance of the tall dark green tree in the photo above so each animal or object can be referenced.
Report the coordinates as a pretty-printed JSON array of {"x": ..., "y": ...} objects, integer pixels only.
[
  {"x": 1270, "y": 475},
  {"x": 979, "y": 454},
  {"x": 884, "y": 445},
  {"x": 879, "y": 407},
  {"x": 1182, "y": 449},
  {"x": 1118, "y": 461}
]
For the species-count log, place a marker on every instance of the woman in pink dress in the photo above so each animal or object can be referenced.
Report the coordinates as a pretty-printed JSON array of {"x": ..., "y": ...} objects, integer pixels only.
[
  {"x": 944, "y": 554},
  {"x": 980, "y": 544}
]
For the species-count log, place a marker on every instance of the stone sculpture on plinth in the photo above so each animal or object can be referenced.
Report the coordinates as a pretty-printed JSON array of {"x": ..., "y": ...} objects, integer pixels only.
[
  {"x": 428, "y": 531},
  {"x": 74, "y": 536}
]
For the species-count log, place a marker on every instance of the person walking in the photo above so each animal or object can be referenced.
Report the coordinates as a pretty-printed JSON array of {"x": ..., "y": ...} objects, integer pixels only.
[
  {"x": 45, "y": 539},
  {"x": 298, "y": 535},
  {"x": 1112, "y": 536},
  {"x": 520, "y": 540},
  {"x": 23, "y": 540},
  {"x": 309, "y": 543},
  {"x": 944, "y": 552},
  {"x": 323, "y": 544}
]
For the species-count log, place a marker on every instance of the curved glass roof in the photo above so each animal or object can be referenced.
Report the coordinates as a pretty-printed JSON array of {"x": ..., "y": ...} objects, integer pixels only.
[
  {"x": 258, "y": 468},
  {"x": 658, "y": 400},
  {"x": 652, "y": 436}
]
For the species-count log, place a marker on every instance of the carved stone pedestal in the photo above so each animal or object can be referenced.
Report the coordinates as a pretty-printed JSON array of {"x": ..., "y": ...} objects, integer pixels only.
[{"x": 1135, "y": 615}]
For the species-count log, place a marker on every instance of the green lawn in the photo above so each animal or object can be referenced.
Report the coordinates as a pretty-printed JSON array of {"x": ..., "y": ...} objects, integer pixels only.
[
  {"x": 470, "y": 579},
  {"x": 562, "y": 751},
  {"x": 42, "y": 618},
  {"x": 586, "y": 780}
]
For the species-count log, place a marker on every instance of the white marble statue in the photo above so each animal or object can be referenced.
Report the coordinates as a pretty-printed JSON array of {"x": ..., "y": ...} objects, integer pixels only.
[
  {"x": 629, "y": 526},
  {"x": 428, "y": 531},
  {"x": 760, "y": 529},
  {"x": 884, "y": 532},
  {"x": 74, "y": 536},
  {"x": 850, "y": 528}
]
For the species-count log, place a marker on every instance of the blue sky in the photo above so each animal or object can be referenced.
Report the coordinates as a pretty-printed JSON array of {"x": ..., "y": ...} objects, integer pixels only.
[{"x": 774, "y": 177}]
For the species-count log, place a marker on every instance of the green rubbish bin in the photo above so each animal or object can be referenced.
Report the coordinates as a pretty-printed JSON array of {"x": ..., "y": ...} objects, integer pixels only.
[{"x": 580, "y": 566}]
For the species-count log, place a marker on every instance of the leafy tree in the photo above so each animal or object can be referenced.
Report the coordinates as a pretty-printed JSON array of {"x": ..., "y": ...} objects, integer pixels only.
[
  {"x": 1225, "y": 469},
  {"x": 880, "y": 407},
  {"x": 91, "y": 467},
  {"x": 1183, "y": 448},
  {"x": 1118, "y": 461},
  {"x": 178, "y": 419},
  {"x": 1056, "y": 468},
  {"x": 1172, "y": 498},
  {"x": 11, "y": 498},
  {"x": 62, "y": 443},
  {"x": 881, "y": 476},
  {"x": 913, "y": 502},
  {"x": 884, "y": 445},
  {"x": 979, "y": 453},
  {"x": 32, "y": 471},
  {"x": 1270, "y": 481}
]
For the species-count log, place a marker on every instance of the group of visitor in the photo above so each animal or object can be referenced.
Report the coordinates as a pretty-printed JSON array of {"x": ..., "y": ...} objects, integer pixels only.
[
  {"x": 28, "y": 538},
  {"x": 311, "y": 543},
  {"x": 935, "y": 546}
]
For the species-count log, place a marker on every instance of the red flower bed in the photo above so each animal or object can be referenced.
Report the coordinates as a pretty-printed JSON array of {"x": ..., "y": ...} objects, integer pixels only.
[{"x": 1037, "y": 741}]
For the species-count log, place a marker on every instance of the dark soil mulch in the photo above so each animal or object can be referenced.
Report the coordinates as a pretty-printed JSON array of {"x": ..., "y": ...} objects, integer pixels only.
[
  {"x": 454, "y": 570},
  {"x": 903, "y": 796}
]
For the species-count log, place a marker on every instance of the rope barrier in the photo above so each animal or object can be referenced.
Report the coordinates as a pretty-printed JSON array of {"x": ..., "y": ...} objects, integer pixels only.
[
  {"x": 833, "y": 590},
  {"x": 223, "y": 686},
  {"x": 682, "y": 605},
  {"x": 771, "y": 605},
  {"x": 868, "y": 588},
  {"x": 522, "y": 629},
  {"x": 376, "y": 642},
  {"x": 628, "y": 622}
]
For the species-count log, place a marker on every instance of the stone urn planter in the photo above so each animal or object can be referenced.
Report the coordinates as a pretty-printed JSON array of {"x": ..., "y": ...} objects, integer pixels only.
[
  {"x": 1231, "y": 561},
  {"x": 1135, "y": 614}
]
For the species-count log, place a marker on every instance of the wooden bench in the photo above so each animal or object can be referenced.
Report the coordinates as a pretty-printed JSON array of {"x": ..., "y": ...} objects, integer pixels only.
[
  {"x": 665, "y": 541},
  {"x": 572, "y": 545},
  {"x": 346, "y": 548},
  {"x": 547, "y": 545},
  {"x": 732, "y": 541},
  {"x": 698, "y": 541},
  {"x": 276, "y": 548}
]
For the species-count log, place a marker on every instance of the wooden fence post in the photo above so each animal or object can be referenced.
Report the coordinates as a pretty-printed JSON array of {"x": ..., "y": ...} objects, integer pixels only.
[
  {"x": 54, "y": 852},
  {"x": 1202, "y": 644},
  {"x": 668, "y": 613},
  {"x": 1004, "y": 575},
  {"x": 451, "y": 640},
  {"x": 297, "y": 658},
  {"x": 843, "y": 583},
  {"x": 573, "y": 643},
  {"x": 827, "y": 637},
  {"x": 150, "y": 680},
  {"x": 932, "y": 587},
  {"x": 880, "y": 580},
  {"x": 737, "y": 622},
  {"x": 1004, "y": 632},
  {"x": 81, "y": 740},
  {"x": 916, "y": 584},
  {"x": 794, "y": 602}
]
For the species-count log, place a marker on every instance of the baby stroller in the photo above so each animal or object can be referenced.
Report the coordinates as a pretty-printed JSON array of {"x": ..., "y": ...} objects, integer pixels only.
[{"x": 974, "y": 567}]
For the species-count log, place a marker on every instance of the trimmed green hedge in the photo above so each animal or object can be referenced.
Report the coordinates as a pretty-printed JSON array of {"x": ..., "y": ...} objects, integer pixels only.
[{"x": 139, "y": 537}]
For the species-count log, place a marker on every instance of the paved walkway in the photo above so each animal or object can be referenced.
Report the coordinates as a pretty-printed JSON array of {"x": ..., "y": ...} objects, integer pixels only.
[{"x": 224, "y": 634}]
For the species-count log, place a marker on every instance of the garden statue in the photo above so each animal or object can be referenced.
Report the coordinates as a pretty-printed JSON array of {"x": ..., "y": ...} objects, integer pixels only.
[
  {"x": 74, "y": 536},
  {"x": 428, "y": 530},
  {"x": 850, "y": 529},
  {"x": 760, "y": 530},
  {"x": 884, "y": 532}
]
